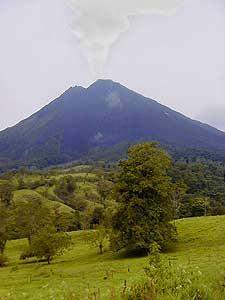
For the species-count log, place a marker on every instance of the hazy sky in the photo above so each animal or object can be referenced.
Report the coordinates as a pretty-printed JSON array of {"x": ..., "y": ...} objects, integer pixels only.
[{"x": 169, "y": 50}]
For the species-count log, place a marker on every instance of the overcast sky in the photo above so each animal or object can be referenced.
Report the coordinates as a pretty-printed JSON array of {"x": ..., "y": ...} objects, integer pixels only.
[{"x": 169, "y": 50}]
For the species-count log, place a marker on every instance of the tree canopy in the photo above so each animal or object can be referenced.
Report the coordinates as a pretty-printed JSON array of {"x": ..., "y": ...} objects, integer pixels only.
[{"x": 145, "y": 196}]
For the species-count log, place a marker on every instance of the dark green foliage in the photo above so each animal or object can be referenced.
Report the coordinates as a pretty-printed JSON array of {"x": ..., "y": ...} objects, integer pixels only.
[
  {"x": 65, "y": 187},
  {"x": 180, "y": 189},
  {"x": 4, "y": 227},
  {"x": 200, "y": 206},
  {"x": 204, "y": 180},
  {"x": 66, "y": 221},
  {"x": 6, "y": 192},
  {"x": 104, "y": 188},
  {"x": 6, "y": 195},
  {"x": 145, "y": 194},
  {"x": 97, "y": 215},
  {"x": 32, "y": 185},
  {"x": 78, "y": 203}
]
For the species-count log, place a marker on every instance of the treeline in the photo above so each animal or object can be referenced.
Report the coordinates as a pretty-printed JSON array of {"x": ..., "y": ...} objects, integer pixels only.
[
  {"x": 204, "y": 182},
  {"x": 202, "y": 193}
]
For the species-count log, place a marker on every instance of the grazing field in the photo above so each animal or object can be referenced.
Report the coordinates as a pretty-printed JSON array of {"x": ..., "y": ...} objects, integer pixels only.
[{"x": 81, "y": 270}]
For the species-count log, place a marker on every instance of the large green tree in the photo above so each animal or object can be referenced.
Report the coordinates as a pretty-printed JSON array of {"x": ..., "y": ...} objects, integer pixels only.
[
  {"x": 6, "y": 195},
  {"x": 145, "y": 196},
  {"x": 4, "y": 219}
]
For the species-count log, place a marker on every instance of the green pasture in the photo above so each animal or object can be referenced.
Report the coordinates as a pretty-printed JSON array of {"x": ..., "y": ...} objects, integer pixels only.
[{"x": 200, "y": 247}]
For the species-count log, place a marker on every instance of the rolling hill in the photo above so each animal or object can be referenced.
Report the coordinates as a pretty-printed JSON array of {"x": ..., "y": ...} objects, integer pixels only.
[
  {"x": 102, "y": 116},
  {"x": 81, "y": 271}
]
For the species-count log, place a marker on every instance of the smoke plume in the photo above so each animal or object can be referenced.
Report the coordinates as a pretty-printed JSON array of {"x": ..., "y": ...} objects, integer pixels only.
[{"x": 98, "y": 23}]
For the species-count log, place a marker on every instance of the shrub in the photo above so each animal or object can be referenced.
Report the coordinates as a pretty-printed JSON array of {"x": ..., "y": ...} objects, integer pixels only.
[{"x": 166, "y": 282}]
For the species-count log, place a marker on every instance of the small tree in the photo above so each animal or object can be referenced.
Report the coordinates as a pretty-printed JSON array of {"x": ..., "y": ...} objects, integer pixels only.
[
  {"x": 145, "y": 196},
  {"x": 65, "y": 187},
  {"x": 65, "y": 220},
  {"x": 97, "y": 215},
  {"x": 104, "y": 188},
  {"x": 6, "y": 193},
  {"x": 200, "y": 206},
  {"x": 99, "y": 238},
  {"x": 180, "y": 189},
  {"x": 31, "y": 217},
  {"x": 46, "y": 244}
]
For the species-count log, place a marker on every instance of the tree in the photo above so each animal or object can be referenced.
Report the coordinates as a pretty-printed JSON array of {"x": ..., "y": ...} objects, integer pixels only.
[
  {"x": 200, "y": 206},
  {"x": 99, "y": 237},
  {"x": 145, "y": 196},
  {"x": 31, "y": 217},
  {"x": 97, "y": 215},
  {"x": 4, "y": 218},
  {"x": 65, "y": 220},
  {"x": 104, "y": 188},
  {"x": 46, "y": 244},
  {"x": 179, "y": 189},
  {"x": 203, "y": 178},
  {"x": 6, "y": 195},
  {"x": 6, "y": 192},
  {"x": 65, "y": 187}
]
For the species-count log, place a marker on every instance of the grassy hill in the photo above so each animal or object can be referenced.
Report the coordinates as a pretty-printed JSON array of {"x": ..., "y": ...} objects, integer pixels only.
[
  {"x": 29, "y": 195},
  {"x": 200, "y": 249}
]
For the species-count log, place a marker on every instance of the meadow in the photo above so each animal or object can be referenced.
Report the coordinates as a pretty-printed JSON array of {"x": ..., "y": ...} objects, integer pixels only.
[{"x": 82, "y": 273}]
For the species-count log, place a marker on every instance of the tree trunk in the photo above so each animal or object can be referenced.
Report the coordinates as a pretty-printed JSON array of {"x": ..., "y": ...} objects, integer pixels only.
[
  {"x": 101, "y": 248},
  {"x": 2, "y": 246}
]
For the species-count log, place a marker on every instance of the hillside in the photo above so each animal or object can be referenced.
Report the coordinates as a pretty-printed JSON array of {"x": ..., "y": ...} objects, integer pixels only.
[
  {"x": 196, "y": 258},
  {"x": 80, "y": 271},
  {"x": 106, "y": 116}
]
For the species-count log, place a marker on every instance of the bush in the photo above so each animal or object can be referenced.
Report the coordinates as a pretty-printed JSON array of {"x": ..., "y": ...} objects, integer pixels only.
[
  {"x": 166, "y": 282},
  {"x": 26, "y": 254}
]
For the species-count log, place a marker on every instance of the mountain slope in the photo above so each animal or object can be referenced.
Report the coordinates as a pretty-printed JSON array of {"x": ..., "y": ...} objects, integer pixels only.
[{"x": 103, "y": 115}]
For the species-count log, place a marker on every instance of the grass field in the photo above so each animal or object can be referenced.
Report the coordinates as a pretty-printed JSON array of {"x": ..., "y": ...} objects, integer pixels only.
[{"x": 201, "y": 247}]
